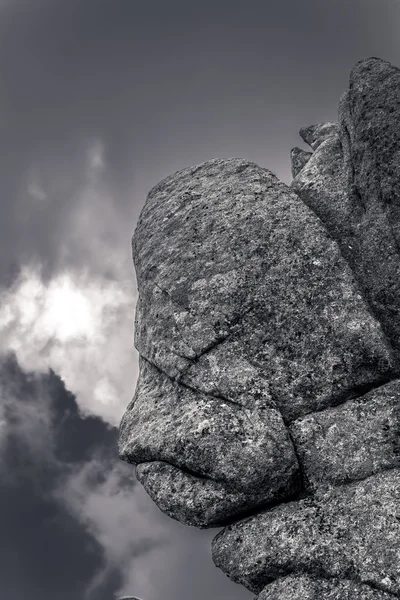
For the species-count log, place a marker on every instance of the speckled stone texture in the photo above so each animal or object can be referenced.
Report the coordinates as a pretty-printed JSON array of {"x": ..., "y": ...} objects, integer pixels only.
[
  {"x": 202, "y": 458},
  {"x": 352, "y": 183},
  {"x": 351, "y": 441},
  {"x": 248, "y": 318},
  {"x": 299, "y": 158},
  {"x": 349, "y": 532},
  {"x": 268, "y": 328},
  {"x": 307, "y": 587}
]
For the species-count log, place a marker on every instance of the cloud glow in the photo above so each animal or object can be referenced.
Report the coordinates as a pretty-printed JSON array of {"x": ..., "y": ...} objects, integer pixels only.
[
  {"x": 80, "y": 321},
  {"x": 81, "y": 326},
  {"x": 67, "y": 311}
]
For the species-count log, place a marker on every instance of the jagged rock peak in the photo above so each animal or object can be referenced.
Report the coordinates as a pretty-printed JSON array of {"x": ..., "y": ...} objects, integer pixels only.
[
  {"x": 314, "y": 135},
  {"x": 352, "y": 182}
]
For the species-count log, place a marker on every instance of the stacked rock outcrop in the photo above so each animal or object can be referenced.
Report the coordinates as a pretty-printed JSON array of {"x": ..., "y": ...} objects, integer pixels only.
[{"x": 268, "y": 329}]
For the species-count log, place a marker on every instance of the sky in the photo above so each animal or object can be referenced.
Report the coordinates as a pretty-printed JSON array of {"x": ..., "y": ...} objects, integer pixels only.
[{"x": 100, "y": 100}]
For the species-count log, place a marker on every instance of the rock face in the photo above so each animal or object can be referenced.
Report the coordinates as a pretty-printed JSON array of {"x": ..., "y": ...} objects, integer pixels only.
[
  {"x": 307, "y": 587},
  {"x": 352, "y": 183},
  {"x": 236, "y": 276},
  {"x": 351, "y": 441},
  {"x": 268, "y": 328},
  {"x": 348, "y": 532}
]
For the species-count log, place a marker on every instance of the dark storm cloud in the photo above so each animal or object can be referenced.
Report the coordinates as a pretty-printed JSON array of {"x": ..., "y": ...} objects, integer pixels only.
[
  {"x": 72, "y": 526},
  {"x": 45, "y": 552}
]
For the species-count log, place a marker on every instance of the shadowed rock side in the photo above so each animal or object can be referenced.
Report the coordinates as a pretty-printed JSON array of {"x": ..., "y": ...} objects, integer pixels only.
[
  {"x": 315, "y": 135},
  {"x": 307, "y": 587},
  {"x": 352, "y": 183},
  {"x": 268, "y": 329},
  {"x": 299, "y": 158}
]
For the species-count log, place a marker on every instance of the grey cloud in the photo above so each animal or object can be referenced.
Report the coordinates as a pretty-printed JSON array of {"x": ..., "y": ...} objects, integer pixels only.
[
  {"x": 62, "y": 495},
  {"x": 163, "y": 87},
  {"x": 73, "y": 518}
]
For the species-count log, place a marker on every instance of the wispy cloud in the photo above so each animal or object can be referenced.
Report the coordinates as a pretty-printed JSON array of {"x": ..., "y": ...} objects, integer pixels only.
[
  {"x": 36, "y": 191},
  {"x": 26, "y": 414},
  {"x": 80, "y": 323},
  {"x": 101, "y": 496}
]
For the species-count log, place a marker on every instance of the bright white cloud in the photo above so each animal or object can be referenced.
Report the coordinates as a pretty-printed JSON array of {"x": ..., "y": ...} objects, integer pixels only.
[
  {"x": 80, "y": 323},
  {"x": 82, "y": 328},
  {"x": 67, "y": 311}
]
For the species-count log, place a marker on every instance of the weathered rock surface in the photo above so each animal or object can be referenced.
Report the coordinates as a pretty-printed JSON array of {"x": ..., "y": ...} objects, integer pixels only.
[
  {"x": 268, "y": 328},
  {"x": 322, "y": 185},
  {"x": 307, "y": 587},
  {"x": 248, "y": 318},
  {"x": 299, "y": 158},
  {"x": 202, "y": 458},
  {"x": 348, "y": 532},
  {"x": 352, "y": 184},
  {"x": 351, "y": 441},
  {"x": 240, "y": 288}
]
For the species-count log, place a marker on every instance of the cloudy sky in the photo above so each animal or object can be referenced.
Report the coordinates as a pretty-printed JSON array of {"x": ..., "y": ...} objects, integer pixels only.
[{"x": 99, "y": 100}]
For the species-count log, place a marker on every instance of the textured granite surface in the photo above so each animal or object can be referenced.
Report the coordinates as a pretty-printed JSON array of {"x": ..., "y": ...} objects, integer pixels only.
[{"x": 268, "y": 328}]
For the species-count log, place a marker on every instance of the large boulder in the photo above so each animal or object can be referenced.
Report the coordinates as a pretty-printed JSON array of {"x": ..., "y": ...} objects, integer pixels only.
[
  {"x": 268, "y": 329},
  {"x": 248, "y": 317},
  {"x": 308, "y": 587},
  {"x": 351, "y": 182},
  {"x": 348, "y": 532}
]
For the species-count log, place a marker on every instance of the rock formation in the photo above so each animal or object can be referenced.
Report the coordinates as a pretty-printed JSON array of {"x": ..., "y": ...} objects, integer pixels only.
[{"x": 268, "y": 328}]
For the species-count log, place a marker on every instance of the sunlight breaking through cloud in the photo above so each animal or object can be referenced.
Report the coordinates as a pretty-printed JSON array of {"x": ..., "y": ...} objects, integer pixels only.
[
  {"x": 81, "y": 326},
  {"x": 118, "y": 516},
  {"x": 79, "y": 321}
]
